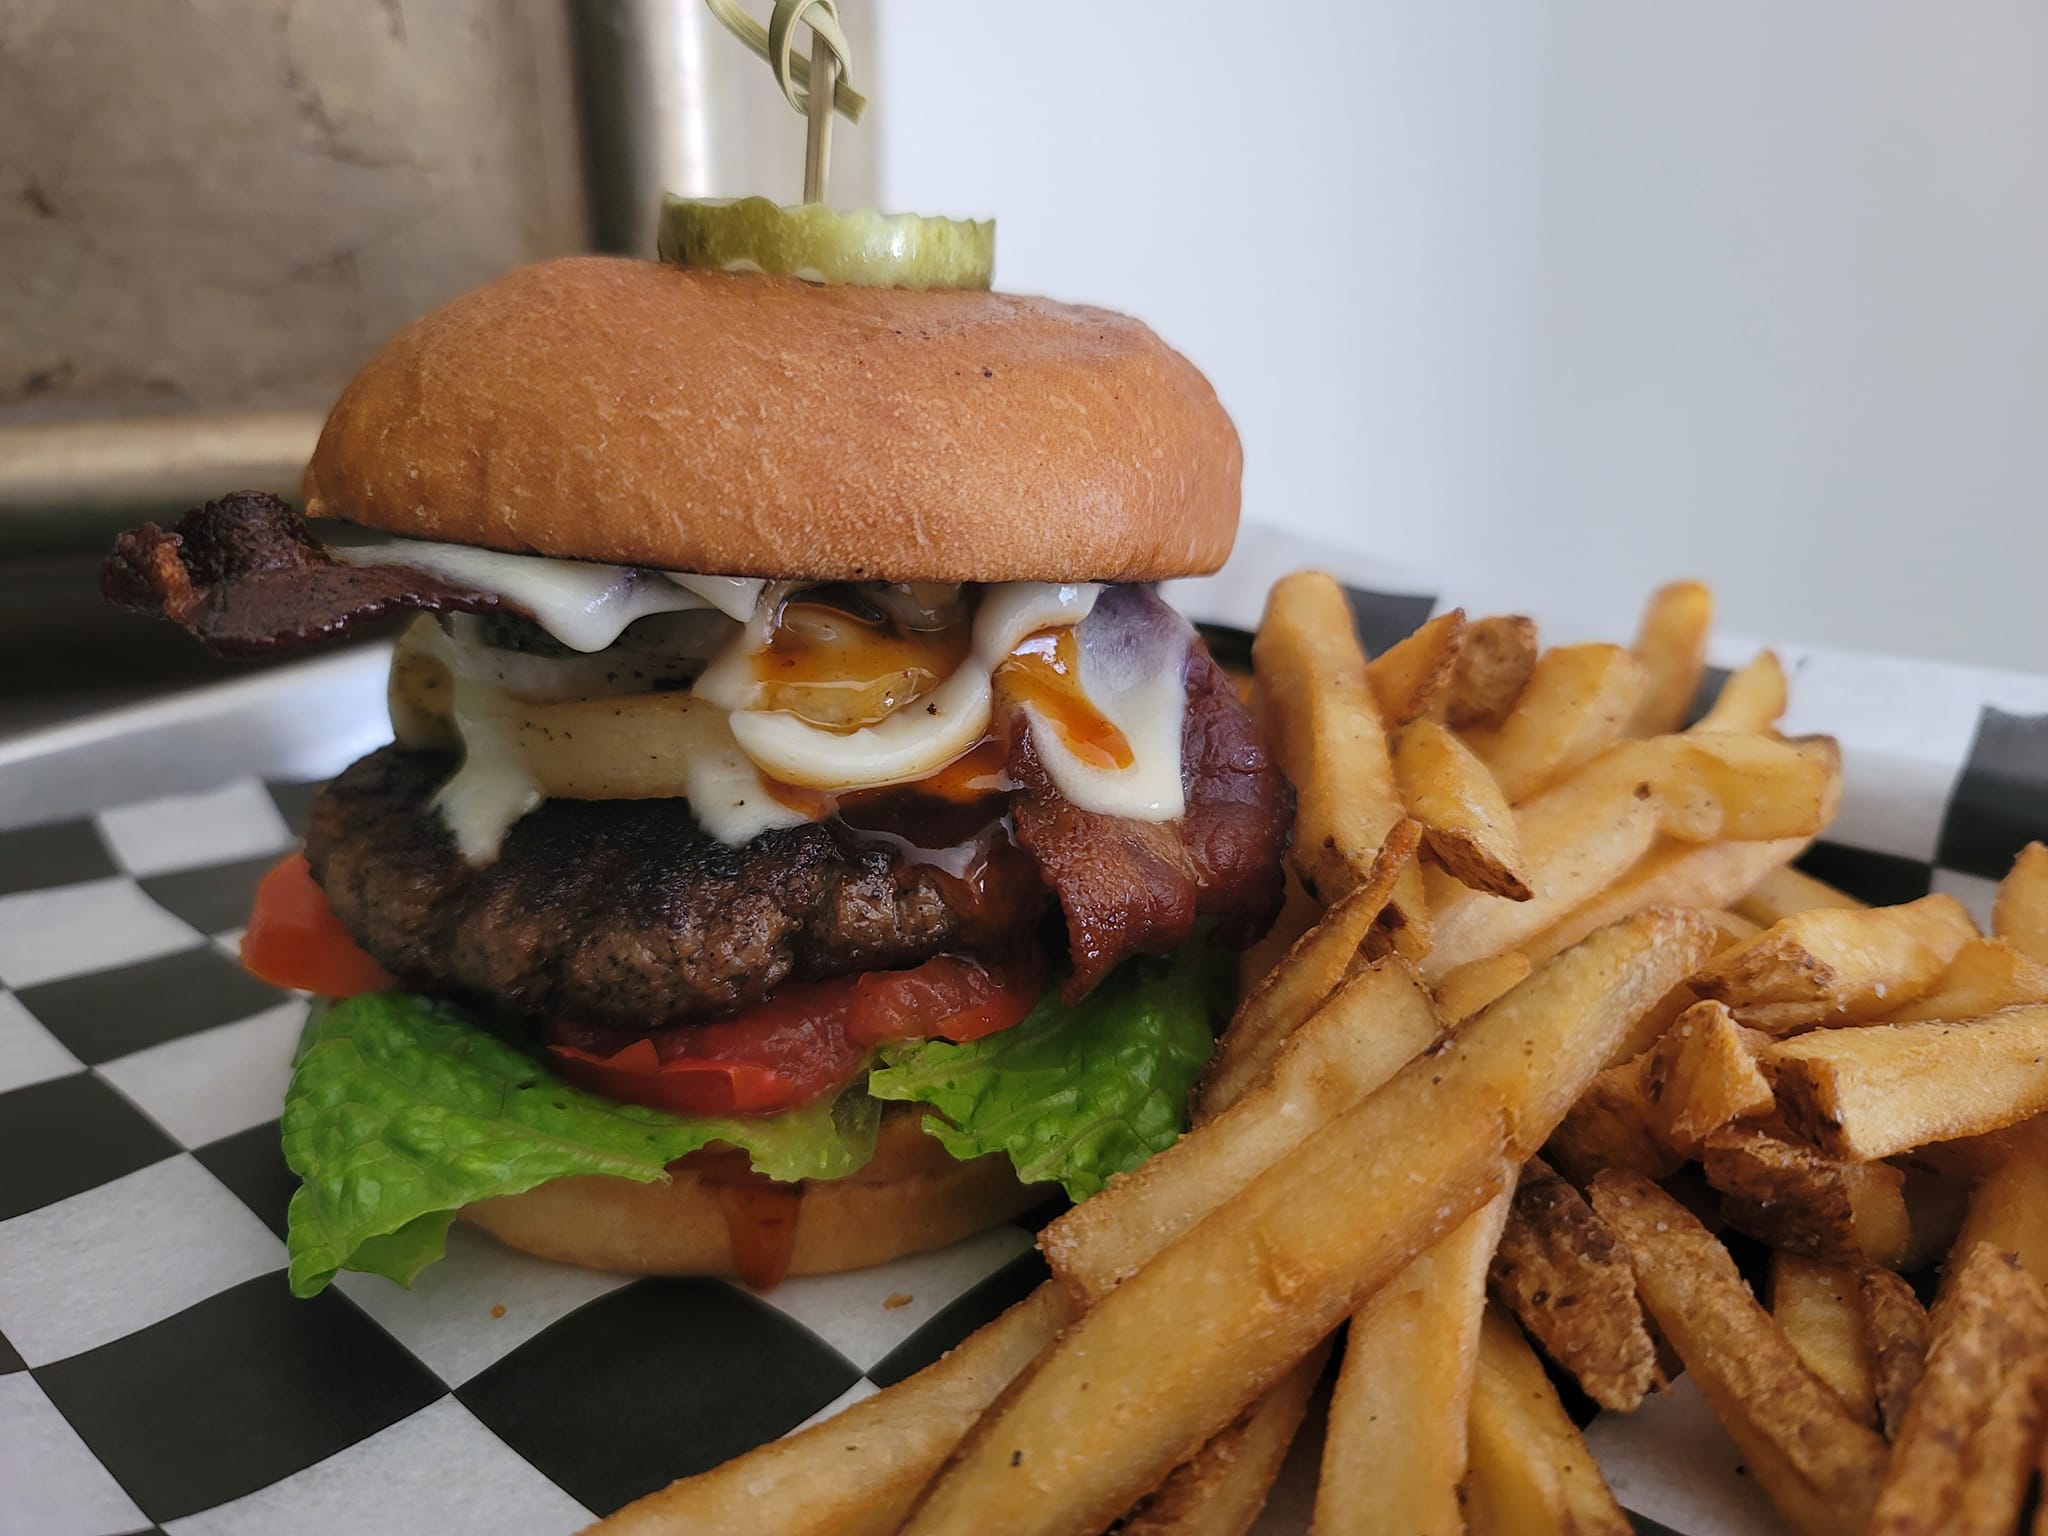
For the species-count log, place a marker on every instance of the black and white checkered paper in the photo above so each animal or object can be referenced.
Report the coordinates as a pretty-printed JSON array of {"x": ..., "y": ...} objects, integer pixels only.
[{"x": 157, "y": 1375}]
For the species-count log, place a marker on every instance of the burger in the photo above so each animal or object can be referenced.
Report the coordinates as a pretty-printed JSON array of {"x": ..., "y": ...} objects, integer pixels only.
[{"x": 808, "y": 838}]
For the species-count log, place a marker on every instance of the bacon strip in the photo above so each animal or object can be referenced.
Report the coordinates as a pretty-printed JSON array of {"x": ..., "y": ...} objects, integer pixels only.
[{"x": 245, "y": 576}]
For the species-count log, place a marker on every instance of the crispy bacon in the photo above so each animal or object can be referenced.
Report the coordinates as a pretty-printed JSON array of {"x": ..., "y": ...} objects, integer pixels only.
[{"x": 245, "y": 576}]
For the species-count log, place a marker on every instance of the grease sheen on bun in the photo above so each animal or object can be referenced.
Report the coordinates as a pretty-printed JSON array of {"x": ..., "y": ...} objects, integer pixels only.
[{"x": 601, "y": 408}]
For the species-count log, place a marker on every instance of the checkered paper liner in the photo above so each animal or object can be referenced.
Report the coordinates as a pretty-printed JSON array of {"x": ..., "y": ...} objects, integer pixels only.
[{"x": 156, "y": 1374}]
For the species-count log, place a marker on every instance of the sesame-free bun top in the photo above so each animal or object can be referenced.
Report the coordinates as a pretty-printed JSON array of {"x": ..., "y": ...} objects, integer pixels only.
[{"x": 599, "y": 408}]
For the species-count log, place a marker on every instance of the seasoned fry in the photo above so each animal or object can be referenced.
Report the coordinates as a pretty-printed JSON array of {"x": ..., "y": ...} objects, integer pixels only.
[
  {"x": 1465, "y": 822},
  {"x": 1407, "y": 677},
  {"x": 1492, "y": 669},
  {"x": 1672, "y": 646},
  {"x": 1702, "y": 1075},
  {"x": 1807, "y": 1203},
  {"x": 1871, "y": 1093},
  {"x": 2019, "y": 914},
  {"x": 1319, "y": 710},
  {"x": 1279, "y": 1004},
  {"x": 1838, "y": 967},
  {"x": 1818, "y": 1465},
  {"x": 1961, "y": 1462},
  {"x": 1751, "y": 700},
  {"x": 1985, "y": 976},
  {"x": 1895, "y": 1334},
  {"x": 1394, "y": 1451},
  {"x": 1787, "y": 892},
  {"x": 1369, "y": 1029},
  {"x": 856, "y": 1473},
  {"x": 1222, "y": 1488},
  {"x": 1609, "y": 1127},
  {"x": 1820, "y": 1307},
  {"x": 1471, "y": 987},
  {"x": 1565, "y": 1276},
  {"x": 1176, "y": 1351},
  {"x": 1577, "y": 701},
  {"x": 1531, "y": 1473}
]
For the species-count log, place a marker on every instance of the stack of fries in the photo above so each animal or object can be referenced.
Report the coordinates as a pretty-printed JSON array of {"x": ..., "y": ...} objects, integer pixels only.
[{"x": 1547, "y": 1013}]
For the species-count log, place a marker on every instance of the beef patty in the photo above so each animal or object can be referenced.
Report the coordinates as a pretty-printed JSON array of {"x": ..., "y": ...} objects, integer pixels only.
[{"x": 625, "y": 912}]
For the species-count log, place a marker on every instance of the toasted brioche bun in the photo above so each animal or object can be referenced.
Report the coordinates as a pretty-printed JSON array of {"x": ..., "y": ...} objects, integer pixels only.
[
  {"x": 598, "y": 408},
  {"x": 912, "y": 1197}
]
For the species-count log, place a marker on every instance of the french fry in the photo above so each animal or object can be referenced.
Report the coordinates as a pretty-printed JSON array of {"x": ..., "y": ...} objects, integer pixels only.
[
  {"x": 2009, "y": 1207},
  {"x": 1985, "y": 976},
  {"x": 1701, "y": 1075},
  {"x": 1319, "y": 711},
  {"x": 1751, "y": 700},
  {"x": 1531, "y": 1473},
  {"x": 1472, "y": 986},
  {"x": 1609, "y": 1127},
  {"x": 1820, "y": 1307},
  {"x": 1299, "y": 912},
  {"x": 1289, "y": 993},
  {"x": 1818, "y": 1465},
  {"x": 1222, "y": 1488},
  {"x": 1577, "y": 701},
  {"x": 1875, "y": 1092},
  {"x": 856, "y": 1473},
  {"x": 1792, "y": 1197},
  {"x": 1961, "y": 1462},
  {"x": 1563, "y": 1274},
  {"x": 2019, "y": 913},
  {"x": 1787, "y": 892},
  {"x": 1407, "y": 677},
  {"x": 1492, "y": 669},
  {"x": 1671, "y": 644},
  {"x": 1175, "y": 1352},
  {"x": 1394, "y": 1450},
  {"x": 1895, "y": 1335},
  {"x": 1465, "y": 822},
  {"x": 1368, "y": 1030}
]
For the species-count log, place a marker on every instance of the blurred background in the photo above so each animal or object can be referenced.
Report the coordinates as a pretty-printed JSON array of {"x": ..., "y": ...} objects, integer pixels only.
[{"x": 1564, "y": 298}]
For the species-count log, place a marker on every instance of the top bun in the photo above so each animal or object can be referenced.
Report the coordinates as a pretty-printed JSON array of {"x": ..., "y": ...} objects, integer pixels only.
[{"x": 598, "y": 408}]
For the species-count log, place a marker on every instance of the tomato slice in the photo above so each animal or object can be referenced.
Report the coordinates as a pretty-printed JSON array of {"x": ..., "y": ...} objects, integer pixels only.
[
  {"x": 951, "y": 997},
  {"x": 295, "y": 940}
]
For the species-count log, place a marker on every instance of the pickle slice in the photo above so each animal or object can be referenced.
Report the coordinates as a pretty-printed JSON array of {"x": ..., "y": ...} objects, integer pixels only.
[{"x": 810, "y": 241}]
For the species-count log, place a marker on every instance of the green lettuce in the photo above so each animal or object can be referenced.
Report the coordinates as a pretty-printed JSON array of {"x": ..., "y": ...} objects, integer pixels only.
[
  {"x": 402, "y": 1110},
  {"x": 1072, "y": 1094}
]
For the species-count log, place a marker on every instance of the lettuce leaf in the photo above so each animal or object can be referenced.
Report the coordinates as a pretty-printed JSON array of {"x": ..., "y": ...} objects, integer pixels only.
[
  {"x": 402, "y": 1110},
  {"x": 1072, "y": 1094}
]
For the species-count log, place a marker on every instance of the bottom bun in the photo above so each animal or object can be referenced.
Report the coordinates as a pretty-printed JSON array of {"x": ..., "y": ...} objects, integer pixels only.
[{"x": 911, "y": 1197}]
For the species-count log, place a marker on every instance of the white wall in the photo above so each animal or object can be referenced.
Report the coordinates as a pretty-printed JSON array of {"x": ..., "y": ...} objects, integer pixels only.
[{"x": 1582, "y": 294}]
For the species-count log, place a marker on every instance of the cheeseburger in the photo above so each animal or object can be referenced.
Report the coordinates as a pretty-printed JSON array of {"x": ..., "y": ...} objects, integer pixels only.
[{"x": 808, "y": 837}]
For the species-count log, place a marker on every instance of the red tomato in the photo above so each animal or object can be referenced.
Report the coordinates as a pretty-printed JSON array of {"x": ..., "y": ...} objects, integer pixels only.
[
  {"x": 951, "y": 997},
  {"x": 295, "y": 940}
]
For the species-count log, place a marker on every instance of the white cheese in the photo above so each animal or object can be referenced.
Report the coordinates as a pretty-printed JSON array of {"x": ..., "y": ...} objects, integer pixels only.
[
  {"x": 492, "y": 789},
  {"x": 1132, "y": 673}
]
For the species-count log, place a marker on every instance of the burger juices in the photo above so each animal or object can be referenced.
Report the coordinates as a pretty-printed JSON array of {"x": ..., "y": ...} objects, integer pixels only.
[{"x": 807, "y": 833}]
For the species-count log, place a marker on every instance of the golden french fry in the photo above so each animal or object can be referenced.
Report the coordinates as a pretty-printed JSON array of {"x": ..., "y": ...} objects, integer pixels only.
[
  {"x": 1394, "y": 1450},
  {"x": 1751, "y": 700},
  {"x": 1465, "y": 822},
  {"x": 1960, "y": 1465},
  {"x": 1888, "y": 1088},
  {"x": 1563, "y": 1274},
  {"x": 1818, "y": 1465},
  {"x": 1985, "y": 976},
  {"x": 1820, "y": 1307},
  {"x": 1702, "y": 1075},
  {"x": 1471, "y": 987},
  {"x": 1176, "y": 1351},
  {"x": 1787, "y": 892},
  {"x": 856, "y": 1473},
  {"x": 1792, "y": 1197},
  {"x": 1407, "y": 677},
  {"x": 1299, "y": 912},
  {"x": 1576, "y": 703},
  {"x": 1318, "y": 709},
  {"x": 1531, "y": 1473},
  {"x": 1492, "y": 669},
  {"x": 1222, "y": 1488},
  {"x": 1838, "y": 966},
  {"x": 2019, "y": 913},
  {"x": 2009, "y": 1207},
  {"x": 1895, "y": 1334},
  {"x": 1672, "y": 646},
  {"x": 1609, "y": 1127},
  {"x": 1368, "y": 1030}
]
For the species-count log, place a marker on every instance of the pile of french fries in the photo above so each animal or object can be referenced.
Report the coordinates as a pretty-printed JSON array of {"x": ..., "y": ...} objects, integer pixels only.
[{"x": 1547, "y": 1015}]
